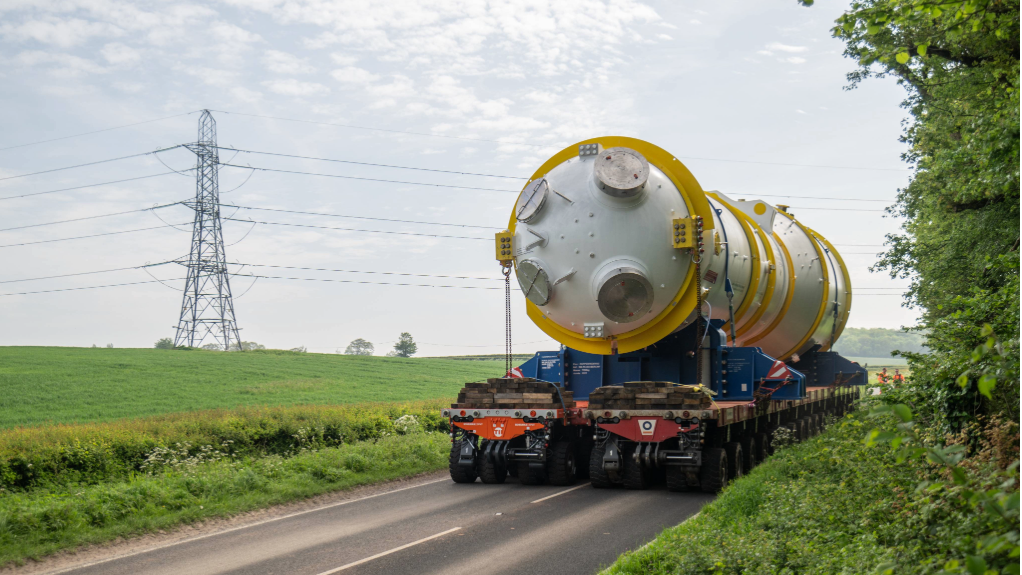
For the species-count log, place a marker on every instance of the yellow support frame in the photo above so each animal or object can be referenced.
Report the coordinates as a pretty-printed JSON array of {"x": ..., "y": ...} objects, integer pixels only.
[{"x": 748, "y": 225}]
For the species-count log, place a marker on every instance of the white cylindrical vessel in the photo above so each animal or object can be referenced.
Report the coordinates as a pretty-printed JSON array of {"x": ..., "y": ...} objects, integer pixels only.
[{"x": 608, "y": 251}]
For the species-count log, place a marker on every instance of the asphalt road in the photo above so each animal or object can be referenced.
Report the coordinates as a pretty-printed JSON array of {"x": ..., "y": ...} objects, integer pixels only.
[{"x": 433, "y": 527}]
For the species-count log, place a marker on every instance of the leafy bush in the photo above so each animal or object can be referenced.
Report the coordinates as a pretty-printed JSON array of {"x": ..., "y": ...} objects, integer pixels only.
[{"x": 835, "y": 505}]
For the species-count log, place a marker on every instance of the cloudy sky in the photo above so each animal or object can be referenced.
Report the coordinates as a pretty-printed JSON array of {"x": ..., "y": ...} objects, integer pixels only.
[{"x": 748, "y": 94}]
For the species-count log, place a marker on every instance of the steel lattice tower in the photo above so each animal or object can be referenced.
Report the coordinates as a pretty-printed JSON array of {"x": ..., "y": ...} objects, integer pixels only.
[{"x": 207, "y": 310}]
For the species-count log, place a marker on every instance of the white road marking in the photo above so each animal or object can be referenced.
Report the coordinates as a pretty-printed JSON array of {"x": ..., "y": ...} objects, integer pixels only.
[
  {"x": 560, "y": 493},
  {"x": 240, "y": 527},
  {"x": 394, "y": 550}
]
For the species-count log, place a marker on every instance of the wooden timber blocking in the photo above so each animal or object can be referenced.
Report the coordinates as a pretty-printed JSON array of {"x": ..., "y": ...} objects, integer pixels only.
[
  {"x": 512, "y": 393},
  {"x": 649, "y": 395}
]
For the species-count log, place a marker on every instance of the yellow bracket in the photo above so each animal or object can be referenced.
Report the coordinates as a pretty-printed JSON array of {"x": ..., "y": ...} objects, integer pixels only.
[
  {"x": 683, "y": 233},
  {"x": 504, "y": 245}
]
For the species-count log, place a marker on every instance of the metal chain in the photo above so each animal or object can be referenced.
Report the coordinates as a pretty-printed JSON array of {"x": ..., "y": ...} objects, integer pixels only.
[
  {"x": 700, "y": 328},
  {"x": 507, "y": 318}
]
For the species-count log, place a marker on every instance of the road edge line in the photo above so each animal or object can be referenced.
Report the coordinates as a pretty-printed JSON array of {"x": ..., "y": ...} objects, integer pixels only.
[
  {"x": 239, "y": 528},
  {"x": 560, "y": 493},
  {"x": 388, "y": 552}
]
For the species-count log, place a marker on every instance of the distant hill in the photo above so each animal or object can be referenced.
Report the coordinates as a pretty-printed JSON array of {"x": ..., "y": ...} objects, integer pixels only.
[{"x": 877, "y": 342}]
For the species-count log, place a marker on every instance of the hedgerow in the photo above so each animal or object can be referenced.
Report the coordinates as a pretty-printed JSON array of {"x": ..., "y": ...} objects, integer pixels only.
[{"x": 61, "y": 455}]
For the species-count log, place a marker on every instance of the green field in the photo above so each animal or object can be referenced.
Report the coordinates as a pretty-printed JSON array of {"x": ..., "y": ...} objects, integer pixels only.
[
  {"x": 880, "y": 361},
  {"x": 69, "y": 385}
]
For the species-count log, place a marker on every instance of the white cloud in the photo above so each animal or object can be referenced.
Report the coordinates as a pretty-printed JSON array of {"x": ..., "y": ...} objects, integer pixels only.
[
  {"x": 696, "y": 22},
  {"x": 343, "y": 59},
  {"x": 284, "y": 63},
  {"x": 801, "y": 112},
  {"x": 292, "y": 87},
  {"x": 794, "y": 60},
  {"x": 354, "y": 75},
  {"x": 245, "y": 95},
  {"x": 778, "y": 47},
  {"x": 664, "y": 37},
  {"x": 231, "y": 33},
  {"x": 61, "y": 65},
  {"x": 62, "y": 33},
  {"x": 120, "y": 55}
]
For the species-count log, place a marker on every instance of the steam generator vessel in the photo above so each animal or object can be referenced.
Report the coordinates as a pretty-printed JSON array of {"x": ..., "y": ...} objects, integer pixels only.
[{"x": 693, "y": 326}]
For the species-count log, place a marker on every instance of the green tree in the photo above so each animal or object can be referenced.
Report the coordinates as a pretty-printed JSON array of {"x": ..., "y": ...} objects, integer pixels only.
[
  {"x": 359, "y": 347},
  {"x": 405, "y": 346},
  {"x": 245, "y": 346},
  {"x": 164, "y": 343},
  {"x": 877, "y": 342},
  {"x": 959, "y": 63}
]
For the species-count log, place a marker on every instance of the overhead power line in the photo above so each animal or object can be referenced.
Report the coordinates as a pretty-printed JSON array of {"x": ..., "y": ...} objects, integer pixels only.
[
  {"x": 90, "y": 217},
  {"x": 361, "y": 217},
  {"x": 84, "y": 237},
  {"x": 369, "y": 179},
  {"x": 357, "y": 230},
  {"x": 372, "y": 164},
  {"x": 88, "y": 287},
  {"x": 71, "y": 275},
  {"x": 363, "y": 282},
  {"x": 541, "y": 146},
  {"x": 89, "y": 186},
  {"x": 368, "y": 272},
  {"x": 95, "y": 131},
  {"x": 91, "y": 163},
  {"x": 757, "y": 195}
]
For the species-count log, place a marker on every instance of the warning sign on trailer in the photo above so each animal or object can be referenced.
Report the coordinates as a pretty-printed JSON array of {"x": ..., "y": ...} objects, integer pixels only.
[
  {"x": 647, "y": 426},
  {"x": 710, "y": 276}
]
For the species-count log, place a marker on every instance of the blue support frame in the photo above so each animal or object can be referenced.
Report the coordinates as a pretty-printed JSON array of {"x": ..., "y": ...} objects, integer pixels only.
[{"x": 735, "y": 373}]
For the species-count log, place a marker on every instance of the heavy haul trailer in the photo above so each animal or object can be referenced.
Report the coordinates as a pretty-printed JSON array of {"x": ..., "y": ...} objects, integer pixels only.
[{"x": 650, "y": 283}]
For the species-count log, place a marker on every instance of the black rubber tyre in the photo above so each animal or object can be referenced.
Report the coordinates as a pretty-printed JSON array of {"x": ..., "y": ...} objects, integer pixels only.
[
  {"x": 810, "y": 424},
  {"x": 583, "y": 450},
  {"x": 597, "y": 474},
  {"x": 735, "y": 460},
  {"x": 677, "y": 479},
  {"x": 749, "y": 444},
  {"x": 459, "y": 473},
  {"x": 492, "y": 472},
  {"x": 530, "y": 476},
  {"x": 793, "y": 427},
  {"x": 634, "y": 475},
  {"x": 713, "y": 472},
  {"x": 763, "y": 448},
  {"x": 561, "y": 468},
  {"x": 512, "y": 470}
]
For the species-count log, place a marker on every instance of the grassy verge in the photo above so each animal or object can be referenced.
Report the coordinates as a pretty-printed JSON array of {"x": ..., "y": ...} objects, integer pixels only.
[
  {"x": 42, "y": 521},
  {"x": 61, "y": 455},
  {"x": 828, "y": 505},
  {"x": 76, "y": 385}
]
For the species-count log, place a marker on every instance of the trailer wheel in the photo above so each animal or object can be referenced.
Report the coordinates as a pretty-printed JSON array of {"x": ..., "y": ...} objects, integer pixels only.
[
  {"x": 763, "y": 448},
  {"x": 735, "y": 460},
  {"x": 561, "y": 465},
  {"x": 634, "y": 475},
  {"x": 749, "y": 445},
  {"x": 492, "y": 471},
  {"x": 809, "y": 426},
  {"x": 713, "y": 472},
  {"x": 583, "y": 451},
  {"x": 598, "y": 476},
  {"x": 677, "y": 479},
  {"x": 459, "y": 474},
  {"x": 530, "y": 476}
]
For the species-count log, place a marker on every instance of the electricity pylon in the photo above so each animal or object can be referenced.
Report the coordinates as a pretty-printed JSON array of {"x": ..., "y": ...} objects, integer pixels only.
[{"x": 207, "y": 310}]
